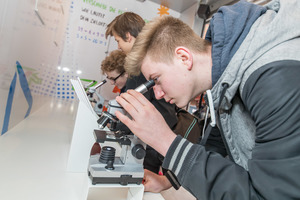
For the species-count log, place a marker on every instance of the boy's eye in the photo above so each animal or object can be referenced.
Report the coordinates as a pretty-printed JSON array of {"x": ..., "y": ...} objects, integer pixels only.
[{"x": 155, "y": 80}]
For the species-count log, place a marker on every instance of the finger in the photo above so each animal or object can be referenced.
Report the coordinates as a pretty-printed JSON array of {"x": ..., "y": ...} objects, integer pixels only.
[
  {"x": 130, "y": 103},
  {"x": 146, "y": 174},
  {"x": 147, "y": 184},
  {"x": 125, "y": 120},
  {"x": 146, "y": 187},
  {"x": 140, "y": 97},
  {"x": 129, "y": 122},
  {"x": 135, "y": 99},
  {"x": 124, "y": 101}
]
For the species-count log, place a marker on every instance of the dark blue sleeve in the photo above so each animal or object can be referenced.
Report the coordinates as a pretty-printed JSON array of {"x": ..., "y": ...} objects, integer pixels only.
[{"x": 272, "y": 95}]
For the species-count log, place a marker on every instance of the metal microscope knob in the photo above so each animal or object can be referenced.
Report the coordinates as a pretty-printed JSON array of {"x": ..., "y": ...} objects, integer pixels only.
[
  {"x": 138, "y": 151},
  {"x": 100, "y": 106}
]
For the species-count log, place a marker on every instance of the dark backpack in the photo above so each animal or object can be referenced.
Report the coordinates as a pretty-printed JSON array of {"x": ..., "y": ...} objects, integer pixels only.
[{"x": 189, "y": 126}]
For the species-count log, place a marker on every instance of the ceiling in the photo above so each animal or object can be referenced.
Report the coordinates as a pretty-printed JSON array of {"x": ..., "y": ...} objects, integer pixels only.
[
  {"x": 182, "y": 5},
  {"x": 177, "y": 5}
]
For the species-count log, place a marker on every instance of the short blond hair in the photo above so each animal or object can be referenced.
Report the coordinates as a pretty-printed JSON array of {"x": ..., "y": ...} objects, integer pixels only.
[
  {"x": 158, "y": 39},
  {"x": 114, "y": 61}
]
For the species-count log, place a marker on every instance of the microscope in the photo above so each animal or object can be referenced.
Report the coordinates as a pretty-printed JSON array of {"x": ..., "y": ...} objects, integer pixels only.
[
  {"x": 127, "y": 168},
  {"x": 90, "y": 93}
]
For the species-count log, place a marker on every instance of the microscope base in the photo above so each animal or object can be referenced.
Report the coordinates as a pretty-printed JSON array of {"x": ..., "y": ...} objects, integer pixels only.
[
  {"x": 123, "y": 180},
  {"x": 122, "y": 174}
]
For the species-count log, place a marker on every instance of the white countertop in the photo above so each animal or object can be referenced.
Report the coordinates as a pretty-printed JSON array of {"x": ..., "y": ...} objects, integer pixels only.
[{"x": 34, "y": 156}]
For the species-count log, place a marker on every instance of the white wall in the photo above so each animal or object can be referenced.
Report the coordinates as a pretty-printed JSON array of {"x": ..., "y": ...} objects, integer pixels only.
[
  {"x": 86, "y": 45},
  {"x": 63, "y": 40},
  {"x": 188, "y": 15},
  {"x": 37, "y": 47}
]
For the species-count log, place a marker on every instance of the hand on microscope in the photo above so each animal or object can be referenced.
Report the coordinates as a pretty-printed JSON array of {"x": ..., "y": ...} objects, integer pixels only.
[
  {"x": 146, "y": 121},
  {"x": 154, "y": 182}
]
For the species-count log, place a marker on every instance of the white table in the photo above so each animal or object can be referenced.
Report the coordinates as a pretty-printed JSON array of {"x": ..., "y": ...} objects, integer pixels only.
[{"x": 34, "y": 156}]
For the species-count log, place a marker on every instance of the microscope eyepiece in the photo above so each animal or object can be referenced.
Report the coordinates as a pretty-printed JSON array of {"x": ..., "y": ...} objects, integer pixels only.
[
  {"x": 100, "y": 84},
  {"x": 149, "y": 84},
  {"x": 145, "y": 86}
]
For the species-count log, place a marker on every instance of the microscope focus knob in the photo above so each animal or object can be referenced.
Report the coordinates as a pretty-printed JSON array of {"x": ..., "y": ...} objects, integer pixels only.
[
  {"x": 138, "y": 151},
  {"x": 100, "y": 106}
]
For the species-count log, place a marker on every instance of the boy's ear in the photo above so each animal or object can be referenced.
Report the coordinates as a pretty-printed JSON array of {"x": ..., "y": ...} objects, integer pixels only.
[
  {"x": 184, "y": 55},
  {"x": 128, "y": 37}
]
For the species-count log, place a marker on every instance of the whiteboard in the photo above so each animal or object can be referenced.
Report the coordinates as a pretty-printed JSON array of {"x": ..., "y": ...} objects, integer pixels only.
[
  {"x": 86, "y": 45},
  {"x": 62, "y": 41}
]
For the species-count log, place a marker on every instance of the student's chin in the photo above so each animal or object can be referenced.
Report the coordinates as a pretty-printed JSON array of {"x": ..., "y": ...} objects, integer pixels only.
[{"x": 181, "y": 105}]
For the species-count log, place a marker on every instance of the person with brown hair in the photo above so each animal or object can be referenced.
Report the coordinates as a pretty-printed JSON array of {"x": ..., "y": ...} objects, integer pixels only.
[
  {"x": 249, "y": 67},
  {"x": 125, "y": 28},
  {"x": 113, "y": 67}
]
